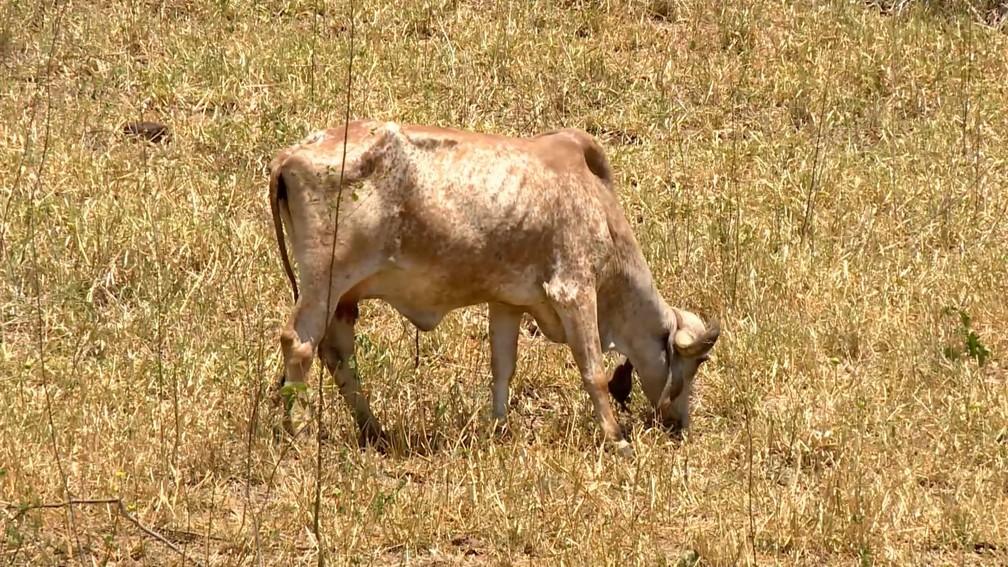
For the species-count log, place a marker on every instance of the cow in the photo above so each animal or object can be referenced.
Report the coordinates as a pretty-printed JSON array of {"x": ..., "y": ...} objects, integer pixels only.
[{"x": 432, "y": 219}]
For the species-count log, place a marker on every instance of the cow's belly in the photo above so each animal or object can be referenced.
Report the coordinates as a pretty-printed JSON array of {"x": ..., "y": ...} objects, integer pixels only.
[{"x": 426, "y": 296}]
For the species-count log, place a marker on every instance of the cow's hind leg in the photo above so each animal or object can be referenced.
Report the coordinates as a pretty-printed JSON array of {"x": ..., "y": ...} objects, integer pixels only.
[
  {"x": 303, "y": 333},
  {"x": 297, "y": 344},
  {"x": 504, "y": 324},
  {"x": 337, "y": 352}
]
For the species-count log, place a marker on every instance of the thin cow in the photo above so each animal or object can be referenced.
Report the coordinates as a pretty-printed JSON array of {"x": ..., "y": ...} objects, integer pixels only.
[{"x": 431, "y": 220}]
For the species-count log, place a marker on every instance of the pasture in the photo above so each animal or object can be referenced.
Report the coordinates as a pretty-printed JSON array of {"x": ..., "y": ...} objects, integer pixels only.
[{"x": 829, "y": 179}]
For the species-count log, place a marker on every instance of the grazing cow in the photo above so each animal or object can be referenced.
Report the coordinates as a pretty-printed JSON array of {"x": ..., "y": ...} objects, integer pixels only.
[{"x": 432, "y": 219}]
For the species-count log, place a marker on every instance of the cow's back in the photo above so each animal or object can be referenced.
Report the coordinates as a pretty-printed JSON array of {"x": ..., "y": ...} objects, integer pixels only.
[{"x": 475, "y": 217}]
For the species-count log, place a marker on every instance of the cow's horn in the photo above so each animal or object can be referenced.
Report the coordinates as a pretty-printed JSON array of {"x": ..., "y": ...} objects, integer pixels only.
[{"x": 690, "y": 346}]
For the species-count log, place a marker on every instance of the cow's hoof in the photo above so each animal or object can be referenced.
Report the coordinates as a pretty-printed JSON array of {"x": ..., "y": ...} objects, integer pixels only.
[
  {"x": 624, "y": 449},
  {"x": 499, "y": 426},
  {"x": 375, "y": 438},
  {"x": 283, "y": 429},
  {"x": 323, "y": 431}
]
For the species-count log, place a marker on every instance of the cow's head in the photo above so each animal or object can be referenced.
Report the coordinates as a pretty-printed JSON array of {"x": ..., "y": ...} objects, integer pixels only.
[{"x": 667, "y": 378}]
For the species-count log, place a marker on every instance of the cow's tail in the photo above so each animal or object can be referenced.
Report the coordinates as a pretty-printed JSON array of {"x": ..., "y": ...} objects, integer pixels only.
[
  {"x": 386, "y": 147},
  {"x": 278, "y": 193}
]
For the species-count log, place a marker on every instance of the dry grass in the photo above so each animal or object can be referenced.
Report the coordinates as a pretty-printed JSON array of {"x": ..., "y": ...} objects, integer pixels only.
[{"x": 827, "y": 178}]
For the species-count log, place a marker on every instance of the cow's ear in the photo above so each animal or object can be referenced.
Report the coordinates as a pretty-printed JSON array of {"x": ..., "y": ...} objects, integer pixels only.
[{"x": 621, "y": 383}]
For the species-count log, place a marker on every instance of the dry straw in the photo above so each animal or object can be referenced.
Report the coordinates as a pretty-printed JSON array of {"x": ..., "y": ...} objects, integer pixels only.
[{"x": 826, "y": 178}]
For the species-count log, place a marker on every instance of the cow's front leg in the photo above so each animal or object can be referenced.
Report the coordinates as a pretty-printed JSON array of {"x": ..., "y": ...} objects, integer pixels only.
[
  {"x": 337, "y": 353},
  {"x": 581, "y": 328},
  {"x": 504, "y": 323}
]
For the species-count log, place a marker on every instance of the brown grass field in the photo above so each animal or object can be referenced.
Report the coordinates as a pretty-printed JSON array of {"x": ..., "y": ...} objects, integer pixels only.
[{"x": 829, "y": 179}]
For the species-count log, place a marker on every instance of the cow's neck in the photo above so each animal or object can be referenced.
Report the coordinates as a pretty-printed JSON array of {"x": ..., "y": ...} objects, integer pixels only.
[{"x": 634, "y": 318}]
